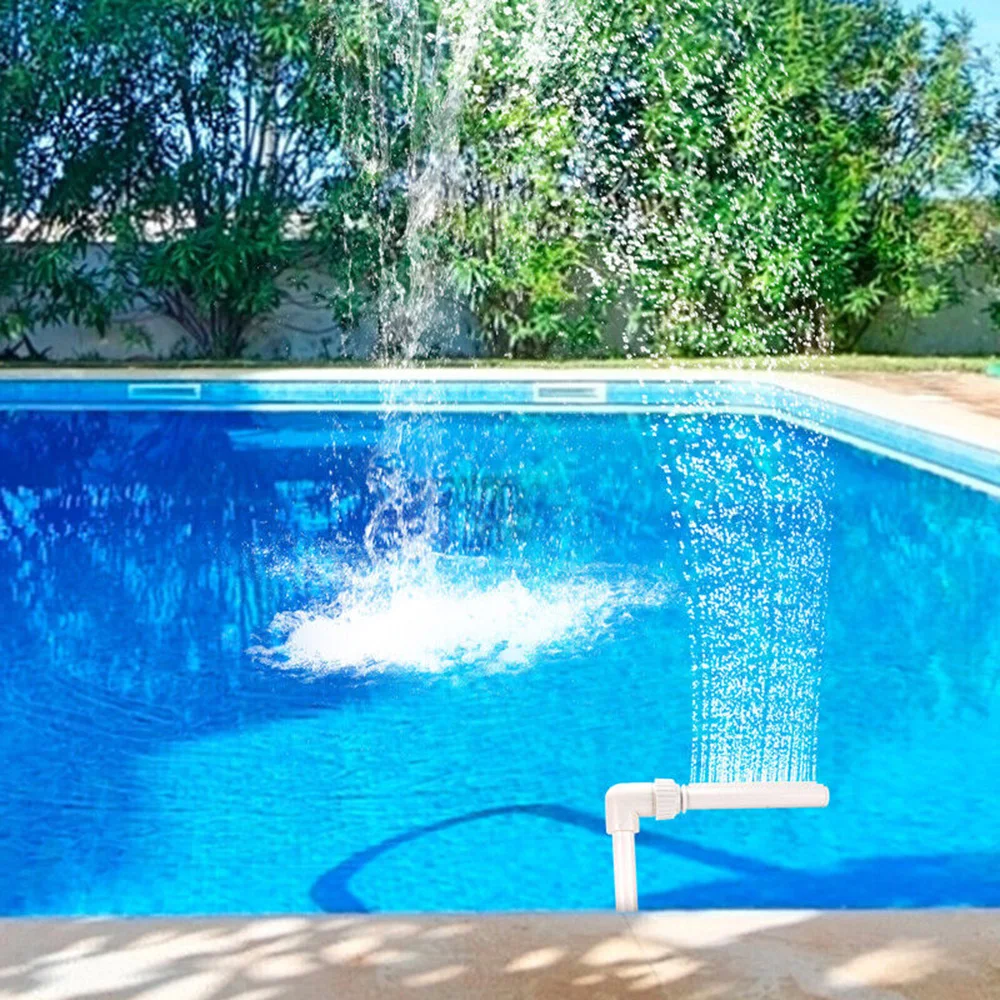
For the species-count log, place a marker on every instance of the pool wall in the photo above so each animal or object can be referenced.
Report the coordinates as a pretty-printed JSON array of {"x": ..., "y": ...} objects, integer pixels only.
[{"x": 822, "y": 403}]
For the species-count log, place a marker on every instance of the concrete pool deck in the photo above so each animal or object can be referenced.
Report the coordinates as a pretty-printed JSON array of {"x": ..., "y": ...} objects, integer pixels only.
[
  {"x": 971, "y": 391},
  {"x": 707, "y": 955}
]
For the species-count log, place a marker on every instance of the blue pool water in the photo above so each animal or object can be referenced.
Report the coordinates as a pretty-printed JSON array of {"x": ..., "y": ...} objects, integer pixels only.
[{"x": 260, "y": 662}]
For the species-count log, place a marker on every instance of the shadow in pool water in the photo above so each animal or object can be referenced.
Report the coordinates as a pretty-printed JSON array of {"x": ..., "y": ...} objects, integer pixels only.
[
  {"x": 331, "y": 891},
  {"x": 865, "y": 883}
]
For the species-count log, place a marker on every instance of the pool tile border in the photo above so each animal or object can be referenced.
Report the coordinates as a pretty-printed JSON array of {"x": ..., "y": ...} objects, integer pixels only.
[{"x": 885, "y": 422}]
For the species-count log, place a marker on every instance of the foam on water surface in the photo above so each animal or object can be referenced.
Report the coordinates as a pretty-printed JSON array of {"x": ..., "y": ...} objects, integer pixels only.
[{"x": 439, "y": 615}]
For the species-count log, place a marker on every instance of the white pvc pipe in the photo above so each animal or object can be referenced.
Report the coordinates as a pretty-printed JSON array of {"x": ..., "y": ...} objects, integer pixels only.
[
  {"x": 754, "y": 795},
  {"x": 626, "y": 887},
  {"x": 626, "y": 804}
]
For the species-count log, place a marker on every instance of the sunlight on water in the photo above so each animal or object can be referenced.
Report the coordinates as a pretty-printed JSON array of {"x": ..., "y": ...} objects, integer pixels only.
[{"x": 439, "y": 615}]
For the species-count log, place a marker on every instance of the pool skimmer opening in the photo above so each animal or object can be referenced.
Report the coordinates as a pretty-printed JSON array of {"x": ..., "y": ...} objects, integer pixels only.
[{"x": 625, "y": 804}]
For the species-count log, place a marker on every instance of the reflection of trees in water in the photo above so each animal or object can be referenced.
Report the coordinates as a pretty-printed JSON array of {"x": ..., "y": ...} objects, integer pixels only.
[
  {"x": 130, "y": 555},
  {"x": 481, "y": 511},
  {"x": 540, "y": 488},
  {"x": 136, "y": 534},
  {"x": 143, "y": 551},
  {"x": 573, "y": 488}
]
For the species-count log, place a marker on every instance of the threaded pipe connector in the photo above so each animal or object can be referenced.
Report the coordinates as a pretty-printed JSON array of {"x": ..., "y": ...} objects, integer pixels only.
[{"x": 666, "y": 798}]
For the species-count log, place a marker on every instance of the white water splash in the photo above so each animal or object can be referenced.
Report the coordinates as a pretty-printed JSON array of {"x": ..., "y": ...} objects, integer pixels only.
[{"x": 425, "y": 620}]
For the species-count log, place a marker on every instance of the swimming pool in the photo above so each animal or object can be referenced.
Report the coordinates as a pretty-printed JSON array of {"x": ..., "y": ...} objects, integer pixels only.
[{"x": 221, "y": 691}]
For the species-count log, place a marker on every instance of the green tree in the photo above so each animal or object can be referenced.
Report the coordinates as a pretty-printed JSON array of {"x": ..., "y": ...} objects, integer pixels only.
[
  {"x": 899, "y": 122},
  {"x": 49, "y": 99},
  {"x": 735, "y": 176},
  {"x": 521, "y": 243},
  {"x": 193, "y": 140},
  {"x": 632, "y": 157},
  {"x": 745, "y": 176},
  {"x": 712, "y": 208}
]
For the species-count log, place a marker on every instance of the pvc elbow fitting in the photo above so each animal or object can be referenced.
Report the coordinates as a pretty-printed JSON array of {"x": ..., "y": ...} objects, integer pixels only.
[
  {"x": 625, "y": 804},
  {"x": 628, "y": 803}
]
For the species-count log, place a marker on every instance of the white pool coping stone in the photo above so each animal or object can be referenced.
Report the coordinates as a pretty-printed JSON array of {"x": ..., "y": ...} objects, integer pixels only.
[{"x": 698, "y": 955}]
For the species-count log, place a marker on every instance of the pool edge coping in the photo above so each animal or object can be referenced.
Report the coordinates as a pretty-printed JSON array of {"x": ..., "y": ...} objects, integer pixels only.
[{"x": 788, "y": 954}]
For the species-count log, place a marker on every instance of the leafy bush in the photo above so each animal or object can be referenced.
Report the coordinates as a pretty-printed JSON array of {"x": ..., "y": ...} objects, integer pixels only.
[
  {"x": 728, "y": 175},
  {"x": 190, "y": 139},
  {"x": 742, "y": 176}
]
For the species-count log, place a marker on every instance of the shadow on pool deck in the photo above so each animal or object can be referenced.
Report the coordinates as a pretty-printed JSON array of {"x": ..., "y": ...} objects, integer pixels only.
[{"x": 723, "y": 955}]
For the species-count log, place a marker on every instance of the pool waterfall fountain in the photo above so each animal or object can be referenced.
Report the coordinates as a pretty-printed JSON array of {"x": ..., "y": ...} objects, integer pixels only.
[
  {"x": 399, "y": 537},
  {"x": 756, "y": 649},
  {"x": 625, "y": 804},
  {"x": 755, "y": 690}
]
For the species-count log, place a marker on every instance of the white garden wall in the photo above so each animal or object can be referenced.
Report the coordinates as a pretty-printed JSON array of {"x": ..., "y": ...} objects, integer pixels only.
[{"x": 301, "y": 331}]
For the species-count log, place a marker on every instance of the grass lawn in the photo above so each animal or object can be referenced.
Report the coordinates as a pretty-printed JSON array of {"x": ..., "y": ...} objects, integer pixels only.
[{"x": 831, "y": 364}]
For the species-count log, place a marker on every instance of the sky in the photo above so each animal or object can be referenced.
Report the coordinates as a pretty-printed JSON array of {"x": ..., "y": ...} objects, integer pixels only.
[{"x": 986, "y": 14}]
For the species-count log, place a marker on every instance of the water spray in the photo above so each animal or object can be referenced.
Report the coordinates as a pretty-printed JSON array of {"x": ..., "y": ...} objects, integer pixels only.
[{"x": 625, "y": 804}]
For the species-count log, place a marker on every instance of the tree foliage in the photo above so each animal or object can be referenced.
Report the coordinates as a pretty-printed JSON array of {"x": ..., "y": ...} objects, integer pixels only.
[
  {"x": 900, "y": 124},
  {"x": 705, "y": 175},
  {"x": 741, "y": 176},
  {"x": 191, "y": 139}
]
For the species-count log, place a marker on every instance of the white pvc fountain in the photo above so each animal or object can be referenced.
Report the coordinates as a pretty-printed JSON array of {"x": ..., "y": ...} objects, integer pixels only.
[{"x": 625, "y": 804}]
